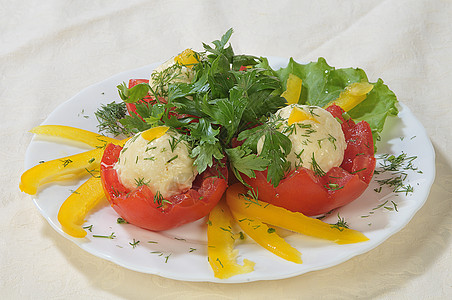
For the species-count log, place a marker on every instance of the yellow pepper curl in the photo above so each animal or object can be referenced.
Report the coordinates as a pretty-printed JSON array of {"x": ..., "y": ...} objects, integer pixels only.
[
  {"x": 75, "y": 208},
  {"x": 70, "y": 167},
  {"x": 74, "y": 166},
  {"x": 353, "y": 95},
  {"x": 284, "y": 218},
  {"x": 220, "y": 243},
  {"x": 267, "y": 237},
  {"x": 75, "y": 134}
]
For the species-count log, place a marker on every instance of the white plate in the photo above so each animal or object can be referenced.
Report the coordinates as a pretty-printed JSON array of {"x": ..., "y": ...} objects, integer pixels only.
[{"x": 181, "y": 253}]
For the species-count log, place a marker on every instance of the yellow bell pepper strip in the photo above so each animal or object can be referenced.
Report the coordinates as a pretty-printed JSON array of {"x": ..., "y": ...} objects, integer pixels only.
[
  {"x": 294, "y": 221},
  {"x": 76, "y": 165},
  {"x": 74, "y": 209},
  {"x": 298, "y": 115},
  {"x": 353, "y": 95},
  {"x": 154, "y": 133},
  {"x": 75, "y": 134},
  {"x": 220, "y": 244},
  {"x": 267, "y": 237},
  {"x": 70, "y": 167},
  {"x": 293, "y": 89},
  {"x": 187, "y": 58}
]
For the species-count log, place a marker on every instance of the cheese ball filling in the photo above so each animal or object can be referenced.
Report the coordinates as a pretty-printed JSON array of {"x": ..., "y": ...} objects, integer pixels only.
[
  {"x": 163, "y": 164},
  {"x": 169, "y": 72},
  {"x": 318, "y": 142}
]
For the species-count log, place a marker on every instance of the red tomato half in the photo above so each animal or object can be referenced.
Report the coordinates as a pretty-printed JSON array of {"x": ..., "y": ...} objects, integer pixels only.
[
  {"x": 139, "y": 207},
  {"x": 303, "y": 191}
]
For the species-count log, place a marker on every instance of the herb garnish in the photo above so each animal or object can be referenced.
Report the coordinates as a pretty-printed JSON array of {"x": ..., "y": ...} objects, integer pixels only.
[
  {"x": 134, "y": 244},
  {"x": 66, "y": 162},
  {"x": 316, "y": 167},
  {"x": 121, "y": 221},
  {"x": 398, "y": 167},
  {"x": 111, "y": 236},
  {"x": 225, "y": 102},
  {"x": 108, "y": 116},
  {"x": 90, "y": 228},
  {"x": 341, "y": 224}
]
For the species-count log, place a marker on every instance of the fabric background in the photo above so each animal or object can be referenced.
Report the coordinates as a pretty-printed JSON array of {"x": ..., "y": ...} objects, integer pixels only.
[{"x": 50, "y": 50}]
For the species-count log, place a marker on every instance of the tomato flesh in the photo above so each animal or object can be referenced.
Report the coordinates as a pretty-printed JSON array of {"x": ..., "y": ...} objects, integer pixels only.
[
  {"x": 140, "y": 207},
  {"x": 304, "y": 191}
]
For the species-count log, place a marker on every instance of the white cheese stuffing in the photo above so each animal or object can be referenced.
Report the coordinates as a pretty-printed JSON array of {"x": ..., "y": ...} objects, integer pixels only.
[
  {"x": 169, "y": 72},
  {"x": 314, "y": 144},
  {"x": 163, "y": 164}
]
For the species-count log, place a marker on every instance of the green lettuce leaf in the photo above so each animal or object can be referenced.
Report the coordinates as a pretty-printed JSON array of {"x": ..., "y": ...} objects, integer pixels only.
[{"x": 323, "y": 83}]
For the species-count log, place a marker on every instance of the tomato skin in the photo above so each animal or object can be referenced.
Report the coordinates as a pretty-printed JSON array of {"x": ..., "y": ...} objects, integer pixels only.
[
  {"x": 304, "y": 191},
  {"x": 138, "y": 207}
]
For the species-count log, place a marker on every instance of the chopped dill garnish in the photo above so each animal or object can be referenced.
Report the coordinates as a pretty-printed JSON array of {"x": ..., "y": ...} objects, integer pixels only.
[
  {"x": 108, "y": 117},
  {"x": 140, "y": 182},
  {"x": 341, "y": 224},
  {"x": 90, "y": 228},
  {"x": 397, "y": 166},
  {"x": 134, "y": 244},
  {"x": 93, "y": 172},
  {"x": 173, "y": 143},
  {"x": 66, "y": 162},
  {"x": 121, "y": 221},
  {"x": 172, "y": 158},
  {"x": 316, "y": 168},
  {"x": 111, "y": 236}
]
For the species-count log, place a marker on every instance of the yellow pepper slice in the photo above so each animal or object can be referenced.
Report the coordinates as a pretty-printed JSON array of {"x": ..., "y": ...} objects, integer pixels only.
[
  {"x": 154, "y": 133},
  {"x": 298, "y": 115},
  {"x": 76, "y": 165},
  {"x": 220, "y": 245},
  {"x": 80, "y": 135},
  {"x": 284, "y": 218},
  {"x": 353, "y": 95},
  {"x": 187, "y": 58},
  {"x": 74, "y": 209},
  {"x": 293, "y": 89},
  {"x": 267, "y": 237}
]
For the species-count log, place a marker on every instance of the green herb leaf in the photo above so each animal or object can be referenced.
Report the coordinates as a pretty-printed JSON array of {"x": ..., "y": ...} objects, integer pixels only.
[
  {"x": 276, "y": 146},
  {"x": 323, "y": 83},
  {"x": 242, "y": 160},
  {"x": 133, "y": 94},
  {"x": 204, "y": 155}
]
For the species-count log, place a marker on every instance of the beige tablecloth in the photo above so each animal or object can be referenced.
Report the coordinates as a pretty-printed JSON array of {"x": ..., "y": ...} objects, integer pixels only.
[{"x": 50, "y": 50}]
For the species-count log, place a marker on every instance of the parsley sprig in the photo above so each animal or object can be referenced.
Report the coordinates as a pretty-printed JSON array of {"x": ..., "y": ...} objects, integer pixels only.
[{"x": 222, "y": 104}]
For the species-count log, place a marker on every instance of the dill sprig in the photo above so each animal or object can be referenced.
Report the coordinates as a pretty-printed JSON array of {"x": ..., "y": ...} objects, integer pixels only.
[
  {"x": 316, "y": 167},
  {"x": 108, "y": 117},
  {"x": 134, "y": 244},
  {"x": 162, "y": 79},
  {"x": 397, "y": 166},
  {"x": 341, "y": 224}
]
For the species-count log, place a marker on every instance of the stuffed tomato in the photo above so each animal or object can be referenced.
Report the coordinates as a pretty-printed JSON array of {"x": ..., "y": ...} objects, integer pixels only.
[
  {"x": 317, "y": 187},
  {"x": 150, "y": 182}
]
